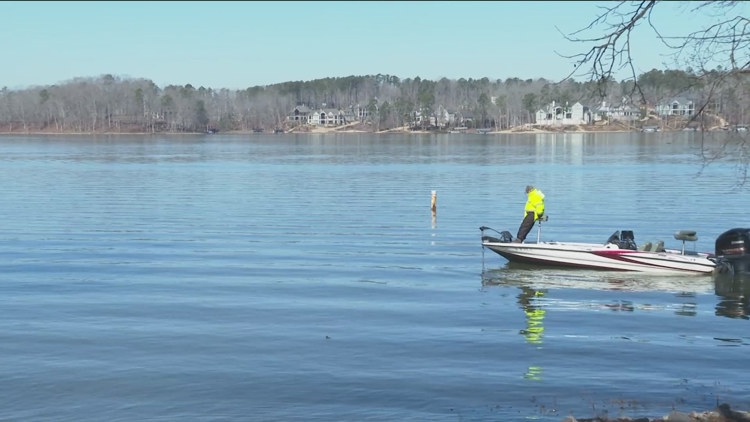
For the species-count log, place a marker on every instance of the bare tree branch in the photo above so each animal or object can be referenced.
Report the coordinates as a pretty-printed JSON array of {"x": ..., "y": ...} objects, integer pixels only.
[{"x": 716, "y": 55}]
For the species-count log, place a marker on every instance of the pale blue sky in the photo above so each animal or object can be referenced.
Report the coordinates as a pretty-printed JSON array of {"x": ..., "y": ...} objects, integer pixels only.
[{"x": 237, "y": 45}]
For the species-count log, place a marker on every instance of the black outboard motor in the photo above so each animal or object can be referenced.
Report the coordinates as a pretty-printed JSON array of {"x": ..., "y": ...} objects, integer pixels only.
[{"x": 733, "y": 251}]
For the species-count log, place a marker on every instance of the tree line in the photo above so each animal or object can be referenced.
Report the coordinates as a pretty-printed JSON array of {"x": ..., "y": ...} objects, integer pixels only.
[{"x": 111, "y": 104}]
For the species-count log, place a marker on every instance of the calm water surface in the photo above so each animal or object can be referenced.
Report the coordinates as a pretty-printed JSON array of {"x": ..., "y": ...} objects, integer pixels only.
[{"x": 304, "y": 278}]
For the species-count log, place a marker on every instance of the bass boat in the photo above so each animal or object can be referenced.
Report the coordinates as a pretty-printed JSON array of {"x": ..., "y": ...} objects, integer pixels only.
[{"x": 618, "y": 253}]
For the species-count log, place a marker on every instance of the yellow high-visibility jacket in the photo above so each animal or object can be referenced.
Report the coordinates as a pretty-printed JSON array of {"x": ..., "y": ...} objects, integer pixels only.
[{"x": 535, "y": 203}]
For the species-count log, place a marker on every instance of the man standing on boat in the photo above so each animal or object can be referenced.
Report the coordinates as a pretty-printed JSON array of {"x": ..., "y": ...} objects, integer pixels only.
[{"x": 533, "y": 211}]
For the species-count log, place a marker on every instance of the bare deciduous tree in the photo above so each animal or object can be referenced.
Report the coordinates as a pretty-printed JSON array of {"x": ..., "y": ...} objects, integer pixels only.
[
  {"x": 722, "y": 45},
  {"x": 717, "y": 54}
]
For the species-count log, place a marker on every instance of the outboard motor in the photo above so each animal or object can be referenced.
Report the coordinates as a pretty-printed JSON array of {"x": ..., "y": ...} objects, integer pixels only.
[{"x": 733, "y": 251}]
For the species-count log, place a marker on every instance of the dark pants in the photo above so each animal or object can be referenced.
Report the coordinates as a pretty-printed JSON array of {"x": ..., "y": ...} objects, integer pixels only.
[{"x": 526, "y": 225}]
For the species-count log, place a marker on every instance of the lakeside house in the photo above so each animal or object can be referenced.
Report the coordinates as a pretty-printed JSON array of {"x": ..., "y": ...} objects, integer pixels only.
[
  {"x": 328, "y": 117},
  {"x": 622, "y": 112},
  {"x": 676, "y": 107},
  {"x": 300, "y": 114},
  {"x": 557, "y": 115}
]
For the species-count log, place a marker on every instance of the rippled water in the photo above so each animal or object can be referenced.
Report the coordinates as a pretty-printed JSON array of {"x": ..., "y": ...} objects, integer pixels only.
[{"x": 304, "y": 278}]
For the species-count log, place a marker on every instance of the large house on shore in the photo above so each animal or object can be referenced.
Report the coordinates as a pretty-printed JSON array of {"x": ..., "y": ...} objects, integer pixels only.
[
  {"x": 326, "y": 116},
  {"x": 300, "y": 114},
  {"x": 624, "y": 112},
  {"x": 559, "y": 115},
  {"x": 676, "y": 107}
]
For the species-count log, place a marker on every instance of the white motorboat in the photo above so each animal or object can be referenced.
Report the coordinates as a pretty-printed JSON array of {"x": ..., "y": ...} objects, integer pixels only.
[{"x": 618, "y": 253}]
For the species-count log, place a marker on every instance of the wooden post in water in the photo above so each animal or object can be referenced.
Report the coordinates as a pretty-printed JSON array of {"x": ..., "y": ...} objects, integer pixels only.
[{"x": 433, "y": 207}]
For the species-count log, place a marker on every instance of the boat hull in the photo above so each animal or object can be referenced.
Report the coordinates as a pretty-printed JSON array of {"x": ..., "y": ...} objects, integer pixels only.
[{"x": 602, "y": 257}]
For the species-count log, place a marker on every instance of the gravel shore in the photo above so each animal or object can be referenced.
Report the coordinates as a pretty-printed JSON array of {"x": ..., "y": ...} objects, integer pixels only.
[{"x": 723, "y": 413}]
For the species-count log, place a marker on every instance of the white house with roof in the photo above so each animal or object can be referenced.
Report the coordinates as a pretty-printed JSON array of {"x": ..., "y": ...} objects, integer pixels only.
[
  {"x": 622, "y": 112},
  {"x": 676, "y": 107},
  {"x": 560, "y": 115},
  {"x": 300, "y": 114},
  {"x": 327, "y": 117}
]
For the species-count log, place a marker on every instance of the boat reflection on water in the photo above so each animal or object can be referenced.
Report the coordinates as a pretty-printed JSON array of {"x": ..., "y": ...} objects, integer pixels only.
[
  {"x": 515, "y": 274},
  {"x": 538, "y": 299},
  {"x": 734, "y": 294},
  {"x": 732, "y": 291}
]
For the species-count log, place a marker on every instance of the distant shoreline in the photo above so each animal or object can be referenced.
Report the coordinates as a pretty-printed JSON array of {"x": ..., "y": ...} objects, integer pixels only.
[{"x": 340, "y": 130}]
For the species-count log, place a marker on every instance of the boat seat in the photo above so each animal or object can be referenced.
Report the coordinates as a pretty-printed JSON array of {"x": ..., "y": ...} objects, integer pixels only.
[
  {"x": 685, "y": 236},
  {"x": 646, "y": 247},
  {"x": 659, "y": 247}
]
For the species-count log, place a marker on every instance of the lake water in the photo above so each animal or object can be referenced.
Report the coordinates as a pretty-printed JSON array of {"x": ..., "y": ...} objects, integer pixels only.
[{"x": 305, "y": 278}]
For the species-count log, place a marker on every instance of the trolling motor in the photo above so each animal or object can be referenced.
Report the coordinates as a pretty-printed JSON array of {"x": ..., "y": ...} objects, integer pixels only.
[{"x": 505, "y": 236}]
